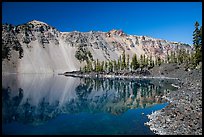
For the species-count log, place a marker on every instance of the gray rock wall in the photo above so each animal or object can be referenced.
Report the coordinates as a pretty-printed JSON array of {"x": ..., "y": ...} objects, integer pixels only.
[{"x": 36, "y": 47}]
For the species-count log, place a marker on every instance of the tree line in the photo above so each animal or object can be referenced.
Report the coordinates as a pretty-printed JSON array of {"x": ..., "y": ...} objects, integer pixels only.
[
  {"x": 178, "y": 56},
  {"x": 124, "y": 63}
]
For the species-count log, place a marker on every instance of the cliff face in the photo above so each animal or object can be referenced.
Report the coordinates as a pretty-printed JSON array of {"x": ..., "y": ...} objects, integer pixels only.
[{"x": 36, "y": 47}]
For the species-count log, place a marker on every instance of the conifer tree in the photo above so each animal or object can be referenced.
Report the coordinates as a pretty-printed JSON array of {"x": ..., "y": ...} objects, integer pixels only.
[
  {"x": 119, "y": 63},
  {"x": 89, "y": 66},
  {"x": 146, "y": 61},
  {"x": 128, "y": 62},
  {"x": 131, "y": 66},
  {"x": 200, "y": 37},
  {"x": 199, "y": 49},
  {"x": 196, "y": 33},
  {"x": 106, "y": 66},
  {"x": 188, "y": 57},
  {"x": 156, "y": 61},
  {"x": 197, "y": 41},
  {"x": 115, "y": 65},
  {"x": 151, "y": 62},
  {"x": 102, "y": 66},
  {"x": 123, "y": 63},
  {"x": 141, "y": 61},
  {"x": 110, "y": 66},
  {"x": 168, "y": 57},
  {"x": 134, "y": 63},
  {"x": 180, "y": 56},
  {"x": 173, "y": 57},
  {"x": 94, "y": 63},
  {"x": 85, "y": 68},
  {"x": 97, "y": 65},
  {"x": 159, "y": 61}
]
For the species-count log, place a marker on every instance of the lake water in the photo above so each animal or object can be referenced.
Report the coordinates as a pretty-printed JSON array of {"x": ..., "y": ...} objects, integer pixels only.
[{"x": 53, "y": 104}]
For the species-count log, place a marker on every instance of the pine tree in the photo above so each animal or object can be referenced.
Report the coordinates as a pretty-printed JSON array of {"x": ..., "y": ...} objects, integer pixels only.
[
  {"x": 128, "y": 62},
  {"x": 176, "y": 55},
  {"x": 159, "y": 61},
  {"x": 179, "y": 56},
  {"x": 200, "y": 37},
  {"x": 123, "y": 63},
  {"x": 188, "y": 54},
  {"x": 194, "y": 59},
  {"x": 94, "y": 62},
  {"x": 119, "y": 63},
  {"x": 196, "y": 35},
  {"x": 89, "y": 66},
  {"x": 106, "y": 66},
  {"x": 85, "y": 68},
  {"x": 97, "y": 65},
  {"x": 156, "y": 61},
  {"x": 168, "y": 57},
  {"x": 187, "y": 58},
  {"x": 115, "y": 66},
  {"x": 151, "y": 62},
  {"x": 102, "y": 66},
  {"x": 110, "y": 66},
  {"x": 197, "y": 41},
  {"x": 131, "y": 66},
  {"x": 141, "y": 61},
  {"x": 135, "y": 63},
  {"x": 184, "y": 55},
  {"x": 199, "y": 49},
  {"x": 146, "y": 61},
  {"x": 173, "y": 57}
]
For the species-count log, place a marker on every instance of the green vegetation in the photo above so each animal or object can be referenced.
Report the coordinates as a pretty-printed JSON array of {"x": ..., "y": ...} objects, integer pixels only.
[
  {"x": 122, "y": 64},
  {"x": 128, "y": 62},
  {"x": 135, "y": 65},
  {"x": 151, "y": 62},
  {"x": 125, "y": 64},
  {"x": 82, "y": 54},
  {"x": 197, "y": 43},
  {"x": 110, "y": 69},
  {"x": 179, "y": 56}
]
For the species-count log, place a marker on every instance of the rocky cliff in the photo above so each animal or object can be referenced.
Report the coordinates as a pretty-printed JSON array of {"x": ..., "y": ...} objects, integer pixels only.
[{"x": 36, "y": 47}]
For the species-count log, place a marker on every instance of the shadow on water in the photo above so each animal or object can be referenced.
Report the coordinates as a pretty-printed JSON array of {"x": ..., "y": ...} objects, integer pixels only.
[{"x": 60, "y": 105}]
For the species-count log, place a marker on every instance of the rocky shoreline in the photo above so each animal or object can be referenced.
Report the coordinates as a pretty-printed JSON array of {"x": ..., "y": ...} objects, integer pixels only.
[
  {"x": 144, "y": 74},
  {"x": 183, "y": 114}
]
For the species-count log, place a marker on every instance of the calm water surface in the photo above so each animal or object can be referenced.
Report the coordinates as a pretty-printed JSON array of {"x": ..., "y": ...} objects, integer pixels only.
[{"x": 52, "y": 104}]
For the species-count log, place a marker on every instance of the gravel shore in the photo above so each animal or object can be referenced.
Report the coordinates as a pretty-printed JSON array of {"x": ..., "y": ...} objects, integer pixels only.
[{"x": 183, "y": 115}]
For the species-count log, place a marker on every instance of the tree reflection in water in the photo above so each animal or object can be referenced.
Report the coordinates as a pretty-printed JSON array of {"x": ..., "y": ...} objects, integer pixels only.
[
  {"x": 127, "y": 94},
  {"x": 93, "y": 95}
]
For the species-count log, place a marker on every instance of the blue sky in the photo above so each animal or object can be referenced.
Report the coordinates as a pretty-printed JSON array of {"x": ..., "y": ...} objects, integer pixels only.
[{"x": 173, "y": 21}]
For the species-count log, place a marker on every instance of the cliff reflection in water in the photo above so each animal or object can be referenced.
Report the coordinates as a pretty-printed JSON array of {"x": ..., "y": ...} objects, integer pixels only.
[{"x": 37, "y": 99}]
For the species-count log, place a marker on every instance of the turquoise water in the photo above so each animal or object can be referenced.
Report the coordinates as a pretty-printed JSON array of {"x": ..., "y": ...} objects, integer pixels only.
[{"x": 48, "y": 104}]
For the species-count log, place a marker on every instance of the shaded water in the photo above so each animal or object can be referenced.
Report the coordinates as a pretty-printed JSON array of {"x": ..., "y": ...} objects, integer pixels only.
[{"x": 48, "y": 104}]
